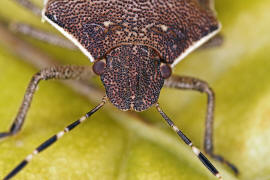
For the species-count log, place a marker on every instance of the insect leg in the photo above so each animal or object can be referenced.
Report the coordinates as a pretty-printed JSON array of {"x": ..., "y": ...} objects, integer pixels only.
[
  {"x": 29, "y": 5},
  {"x": 216, "y": 41},
  {"x": 41, "y": 35},
  {"x": 57, "y": 72},
  {"x": 189, "y": 83},
  {"x": 52, "y": 140},
  {"x": 198, "y": 153}
]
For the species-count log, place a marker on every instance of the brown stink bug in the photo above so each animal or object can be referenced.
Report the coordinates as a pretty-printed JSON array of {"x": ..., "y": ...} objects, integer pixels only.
[{"x": 134, "y": 45}]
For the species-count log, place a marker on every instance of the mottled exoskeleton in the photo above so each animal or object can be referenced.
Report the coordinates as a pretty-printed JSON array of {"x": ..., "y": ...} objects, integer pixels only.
[{"x": 134, "y": 45}]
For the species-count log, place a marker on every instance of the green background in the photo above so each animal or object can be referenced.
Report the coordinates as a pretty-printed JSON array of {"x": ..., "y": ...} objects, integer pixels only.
[{"x": 114, "y": 145}]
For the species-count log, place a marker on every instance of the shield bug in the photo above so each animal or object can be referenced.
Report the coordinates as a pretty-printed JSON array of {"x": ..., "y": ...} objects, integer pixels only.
[{"x": 134, "y": 44}]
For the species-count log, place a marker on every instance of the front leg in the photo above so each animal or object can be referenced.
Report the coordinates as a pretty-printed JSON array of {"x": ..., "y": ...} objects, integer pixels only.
[
  {"x": 189, "y": 83},
  {"x": 58, "y": 72}
]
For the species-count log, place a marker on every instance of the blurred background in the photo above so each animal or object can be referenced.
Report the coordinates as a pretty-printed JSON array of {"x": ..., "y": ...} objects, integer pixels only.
[{"x": 119, "y": 145}]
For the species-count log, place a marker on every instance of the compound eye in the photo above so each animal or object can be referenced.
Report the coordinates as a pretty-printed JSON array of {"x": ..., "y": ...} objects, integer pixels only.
[
  {"x": 99, "y": 67},
  {"x": 166, "y": 71}
]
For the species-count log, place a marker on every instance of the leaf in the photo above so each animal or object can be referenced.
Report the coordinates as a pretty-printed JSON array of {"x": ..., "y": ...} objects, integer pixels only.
[{"x": 114, "y": 145}]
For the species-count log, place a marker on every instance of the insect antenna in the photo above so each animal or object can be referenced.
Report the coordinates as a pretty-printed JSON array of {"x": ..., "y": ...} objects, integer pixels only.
[
  {"x": 52, "y": 140},
  {"x": 196, "y": 151}
]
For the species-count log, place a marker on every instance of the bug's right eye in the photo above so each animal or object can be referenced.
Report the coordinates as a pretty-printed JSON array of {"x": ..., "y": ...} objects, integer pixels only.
[
  {"x": 99, "y": 67},
  {"x": 166, "y": 71}
]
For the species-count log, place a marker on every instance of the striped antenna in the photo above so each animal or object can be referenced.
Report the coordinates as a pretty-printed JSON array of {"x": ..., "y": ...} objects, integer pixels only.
[
  {"x": 52, "y": 140},
  {"x": 196, "y": 151}
]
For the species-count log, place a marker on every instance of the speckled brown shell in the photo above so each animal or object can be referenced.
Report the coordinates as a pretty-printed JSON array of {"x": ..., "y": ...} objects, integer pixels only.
[{"x": 169, "y": 26}]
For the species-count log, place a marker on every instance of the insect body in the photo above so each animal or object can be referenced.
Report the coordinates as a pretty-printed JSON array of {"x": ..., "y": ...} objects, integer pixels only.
[
  {"x": 133, "y": 36},
  {"x": 133, "y": 44}
]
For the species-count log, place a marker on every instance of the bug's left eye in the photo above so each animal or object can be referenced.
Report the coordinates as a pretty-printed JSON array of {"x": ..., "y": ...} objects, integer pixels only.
[
  {"x": 99, "y": 67},
  {"x": 166, "y": 71}
]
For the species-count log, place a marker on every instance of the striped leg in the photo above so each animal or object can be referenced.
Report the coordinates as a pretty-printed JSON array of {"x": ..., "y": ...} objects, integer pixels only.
[
  {"x": 202, "y": 158},
  {"x": 58, "y": 72},
  {"x": 189, "y": 83},
  {"x": 52, "y": 140}
]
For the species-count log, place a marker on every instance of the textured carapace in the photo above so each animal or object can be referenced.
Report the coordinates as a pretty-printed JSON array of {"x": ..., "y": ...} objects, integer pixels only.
[
  {"x": 132, "y": 77},
  {"x": 169, "y": 26},
  {"x": 133, "y": 36}
]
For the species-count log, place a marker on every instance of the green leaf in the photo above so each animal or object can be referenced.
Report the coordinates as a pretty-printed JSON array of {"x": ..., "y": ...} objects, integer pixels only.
[{"x": 114, "y": 145}]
